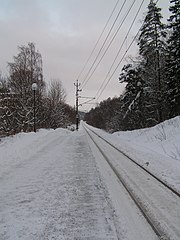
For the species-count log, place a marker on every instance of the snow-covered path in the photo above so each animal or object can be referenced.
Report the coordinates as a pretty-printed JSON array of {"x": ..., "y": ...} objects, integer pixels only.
[
  {"x": 56, "y": 185},
  {"x": 54, "y": 192}
]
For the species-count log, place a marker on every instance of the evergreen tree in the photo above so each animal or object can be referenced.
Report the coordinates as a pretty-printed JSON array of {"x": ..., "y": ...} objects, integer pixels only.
[
  {"x": 133, "y": 97},
  {"x": 106, "y": 115},
  {"x": 152, "y": 50},
  {"x": 173, "y": 63}
]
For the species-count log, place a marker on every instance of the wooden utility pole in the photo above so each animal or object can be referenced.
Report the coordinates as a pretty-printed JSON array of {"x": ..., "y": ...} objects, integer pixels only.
[{"x": 77, "y": 85}]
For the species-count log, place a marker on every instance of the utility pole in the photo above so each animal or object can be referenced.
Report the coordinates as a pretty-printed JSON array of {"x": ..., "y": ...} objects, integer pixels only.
[{"x": 77, "y": 85}]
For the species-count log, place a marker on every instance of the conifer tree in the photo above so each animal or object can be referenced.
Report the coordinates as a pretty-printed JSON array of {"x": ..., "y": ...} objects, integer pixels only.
[
  {"x": 134, "y": 96},
  {"x": 173, "y": 63},
  {"x": 152, "y": 50}
]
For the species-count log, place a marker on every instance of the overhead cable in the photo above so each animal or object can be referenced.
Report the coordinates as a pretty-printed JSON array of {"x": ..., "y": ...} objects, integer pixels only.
[
  {"x": 79, "y": 75},
  {"x": 104, "y": 42},
  {"x": 119, "y": 63},
  {"x": 120, "y": 48},
  {"x": 112, "y": 39}
]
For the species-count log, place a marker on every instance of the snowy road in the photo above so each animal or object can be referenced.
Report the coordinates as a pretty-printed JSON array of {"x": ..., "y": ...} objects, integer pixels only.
[{"x": 56, "y": 185}]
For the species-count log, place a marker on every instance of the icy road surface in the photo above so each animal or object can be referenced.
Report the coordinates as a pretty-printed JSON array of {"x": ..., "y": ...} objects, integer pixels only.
[{"x": 51, "y": 188}]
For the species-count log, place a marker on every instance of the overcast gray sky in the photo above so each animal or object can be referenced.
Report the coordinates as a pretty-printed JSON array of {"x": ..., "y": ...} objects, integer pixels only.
[{"x": 65, "y": 32}]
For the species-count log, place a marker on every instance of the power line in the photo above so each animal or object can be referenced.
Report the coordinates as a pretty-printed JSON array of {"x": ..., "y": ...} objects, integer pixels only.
[
  {"x": 98, "y": 40},
  {"x": 104, "y": 42},
  {"x": 112, "y": 39},
  {"x": 120, "y": 47},
  {"x": 119, "y": 63},
  {"x": 130, "y": 45}
]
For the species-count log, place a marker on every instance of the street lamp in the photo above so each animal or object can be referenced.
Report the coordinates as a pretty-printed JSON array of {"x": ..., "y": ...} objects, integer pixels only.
[{"x": 34, "y": 88}]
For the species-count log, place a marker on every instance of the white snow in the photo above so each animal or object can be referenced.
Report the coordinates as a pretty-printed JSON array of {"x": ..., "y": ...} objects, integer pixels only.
[
  {"x": 156, "y": 148},
  {"x": 163, "y": 138},
  {"x": 50, "y": 189},
  {"x": 51, "y": 186}
]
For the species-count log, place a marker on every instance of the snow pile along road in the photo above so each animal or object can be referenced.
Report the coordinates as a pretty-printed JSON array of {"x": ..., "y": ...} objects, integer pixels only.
[
  {"x": 164, "y": 138},
  {"x": 19, "y": 148}
]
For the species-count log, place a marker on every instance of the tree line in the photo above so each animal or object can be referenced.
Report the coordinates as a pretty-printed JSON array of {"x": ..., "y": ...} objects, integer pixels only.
[
  {"x": 152, "y": 91},
  {"x": 16, "y": 96}
]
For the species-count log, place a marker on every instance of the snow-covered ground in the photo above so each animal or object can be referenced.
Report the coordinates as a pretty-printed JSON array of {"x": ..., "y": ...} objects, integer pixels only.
[
  {"x": 156, "y": 148},
  {"x": 158, "y": 203},
  {"x": 164, "y": 138},
  {"x": 50, "y": 189},
  {"x": 51, "y": 186}
]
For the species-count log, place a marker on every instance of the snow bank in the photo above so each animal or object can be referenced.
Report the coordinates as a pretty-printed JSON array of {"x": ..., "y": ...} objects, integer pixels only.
[
  {"x": 163, "y": 138},
  {"x": 16, "y": 149}
]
